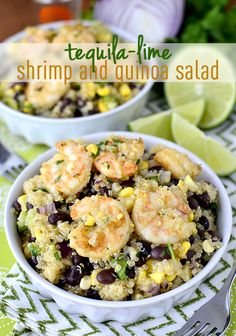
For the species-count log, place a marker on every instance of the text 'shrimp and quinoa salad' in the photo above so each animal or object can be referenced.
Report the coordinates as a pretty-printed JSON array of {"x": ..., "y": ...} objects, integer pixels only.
[
  {"x": 116, "y": 221},
  {"x": 58, "y": 100}
]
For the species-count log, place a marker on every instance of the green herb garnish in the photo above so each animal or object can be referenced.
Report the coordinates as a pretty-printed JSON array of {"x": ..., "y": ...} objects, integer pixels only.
[
  {"x": 122, "y": 262},
  {"x": 152, "y": 178},
  {"x": 34, "y": 249},
  {"x": 171, "y": 252},
  {"x": 57, "y": 179},
  {"x": 59, "y": 161},
  {"x": 57, "y": 255},
  {"x": 208, "y": 21}
]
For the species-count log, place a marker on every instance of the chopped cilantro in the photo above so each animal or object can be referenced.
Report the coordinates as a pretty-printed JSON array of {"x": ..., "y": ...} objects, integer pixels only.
[
  {"x": 57, "y": 255},
  {"x": 171, "y": 252},
  {"x": 59, "y": 161},
  {"x": 57, "y": 179}
]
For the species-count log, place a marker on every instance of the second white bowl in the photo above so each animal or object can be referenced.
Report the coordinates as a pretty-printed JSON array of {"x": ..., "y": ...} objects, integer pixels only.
[{"x": 127, "y": 311}]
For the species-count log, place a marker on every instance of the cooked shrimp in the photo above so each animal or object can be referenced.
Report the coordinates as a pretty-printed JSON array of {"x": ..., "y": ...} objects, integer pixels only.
[
  {"x": 104, "y": 227},
  {"x": 37, "y": 35},
  {"x": 68, "y": 172},
  {"x": 161, "y": 217},
  {"x": 118, "y": 158},
  {"x": 177, "y": 163},
  {"x": 45, "y": 95},
  {"x": 132, "y": 149},
  {"x": 74, "y": 34}
]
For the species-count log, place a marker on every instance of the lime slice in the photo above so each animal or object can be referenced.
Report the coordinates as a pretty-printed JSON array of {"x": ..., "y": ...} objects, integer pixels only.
[
  {"x": 219, "y": 97},
  {"x": 219, "y": 158},
  {"x": 159, "y": 124}
]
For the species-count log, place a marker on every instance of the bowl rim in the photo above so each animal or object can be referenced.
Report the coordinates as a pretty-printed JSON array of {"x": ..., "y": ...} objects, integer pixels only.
[
  {"x": 51, "y": 288},
  {"x": 17, "y": 113}
]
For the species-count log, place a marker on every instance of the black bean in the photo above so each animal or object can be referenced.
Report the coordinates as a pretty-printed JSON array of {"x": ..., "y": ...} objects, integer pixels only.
[
  {"x": 191, "y": 239},
  {"x": 92, "y": 294},
  {"x": 201, "y": 233},
  {"x": 31, "y": 239},
  {"x": 143, "y": 254},
  {"x": 16, "y": 205},
  {"x": 17, "y": 96},
  {"x": 204, "y": 200},
  {"x": 106, "y": 276},
  {"x": 33, "y": 261},
  {"x": 160, "y": 253},
  {"x": 77, "y": 259},
  {"x": 130, "y": 272},
  {"x": 141, "y": 261},
  {"x": 127, "y": 183},
  {"x": 73, "y": 275},
  {"x": 103, "y": 191},
  {"x": 59, "y": 216},
  {"x": 183, "y": 261},
  {"x": 214, "y": 235},
  {"x": 64, "y": 249},
  {"x": 173, "y": 181},
  {"x": 190, "y": 254},
  {"x": 132, "y": 86},
  {"x": 29, "y": 206},
  {"x": 146, "y": 248},
  {"x": 193, "y": 203},
  {"x": 78, "y": 113},
  {"x": 203, "y": 220},
  {"x": 65, "y": 102}
]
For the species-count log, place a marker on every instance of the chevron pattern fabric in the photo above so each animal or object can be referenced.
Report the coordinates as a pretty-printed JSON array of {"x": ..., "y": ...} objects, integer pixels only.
[{"x": 37, "y": 315}]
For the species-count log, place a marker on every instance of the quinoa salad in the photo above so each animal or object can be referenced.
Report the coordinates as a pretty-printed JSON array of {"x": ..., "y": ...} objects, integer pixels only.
[
  {"x": 117, "y": 221},
  {"x": 58, "y": 100}
]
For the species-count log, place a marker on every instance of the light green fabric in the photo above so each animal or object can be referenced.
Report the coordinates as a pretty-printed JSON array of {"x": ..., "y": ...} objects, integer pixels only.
[{"x": 150, "y": 326}]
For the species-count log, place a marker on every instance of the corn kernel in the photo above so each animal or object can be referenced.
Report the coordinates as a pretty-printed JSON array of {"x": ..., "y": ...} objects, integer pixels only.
[
  {"x": 180, "y": 184},
  {"x": 93, "y": 279},
  {"x": 126, "y": 192},
  {"x": 185, "y": 246},
  {"x": 103, "y": 91},
  {"x": 102, "y": 106},
  {"x": 207, "y": 246},
  {"x": 18, "y": 87},
  {"x": 190, "y": 183},
  {"x": 90, "y": 221},
  {"x": 143, "y": 165},
  {"x": 23, "y": 200},
  {"x": 191, "y": 217},
  {"x": 37, "y": 234},
  {"x": 92, "y": 148},
  {"x": 125, "y": 90},
  {"x": 142, "y": 276},
  {"x": 149, "y": 264},
  {"x": 129, "y": 204},
  {"x": 157, "y": 277},
  {"x": 100, "y": 215},
  {"x": 85, "y": 282},
  {"x": 170, "y": 278},
  {"x": 120, "y": 216}
]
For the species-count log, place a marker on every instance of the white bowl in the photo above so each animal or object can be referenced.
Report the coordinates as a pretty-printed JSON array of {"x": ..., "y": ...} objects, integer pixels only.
[
  {"x": 122, "y": 311},
  {"x": 49, "y": 130}
]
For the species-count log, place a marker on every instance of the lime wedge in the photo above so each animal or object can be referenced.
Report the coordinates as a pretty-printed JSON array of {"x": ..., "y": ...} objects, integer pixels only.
[
  {"x": 219, "y": 158},
  {"x": 219, "y": 97},
  {"x": 159, "y": 124}
]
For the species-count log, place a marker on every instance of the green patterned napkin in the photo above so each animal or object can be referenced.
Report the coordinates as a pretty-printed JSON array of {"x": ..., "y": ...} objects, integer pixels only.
[{"x": 19, "y": 296}]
